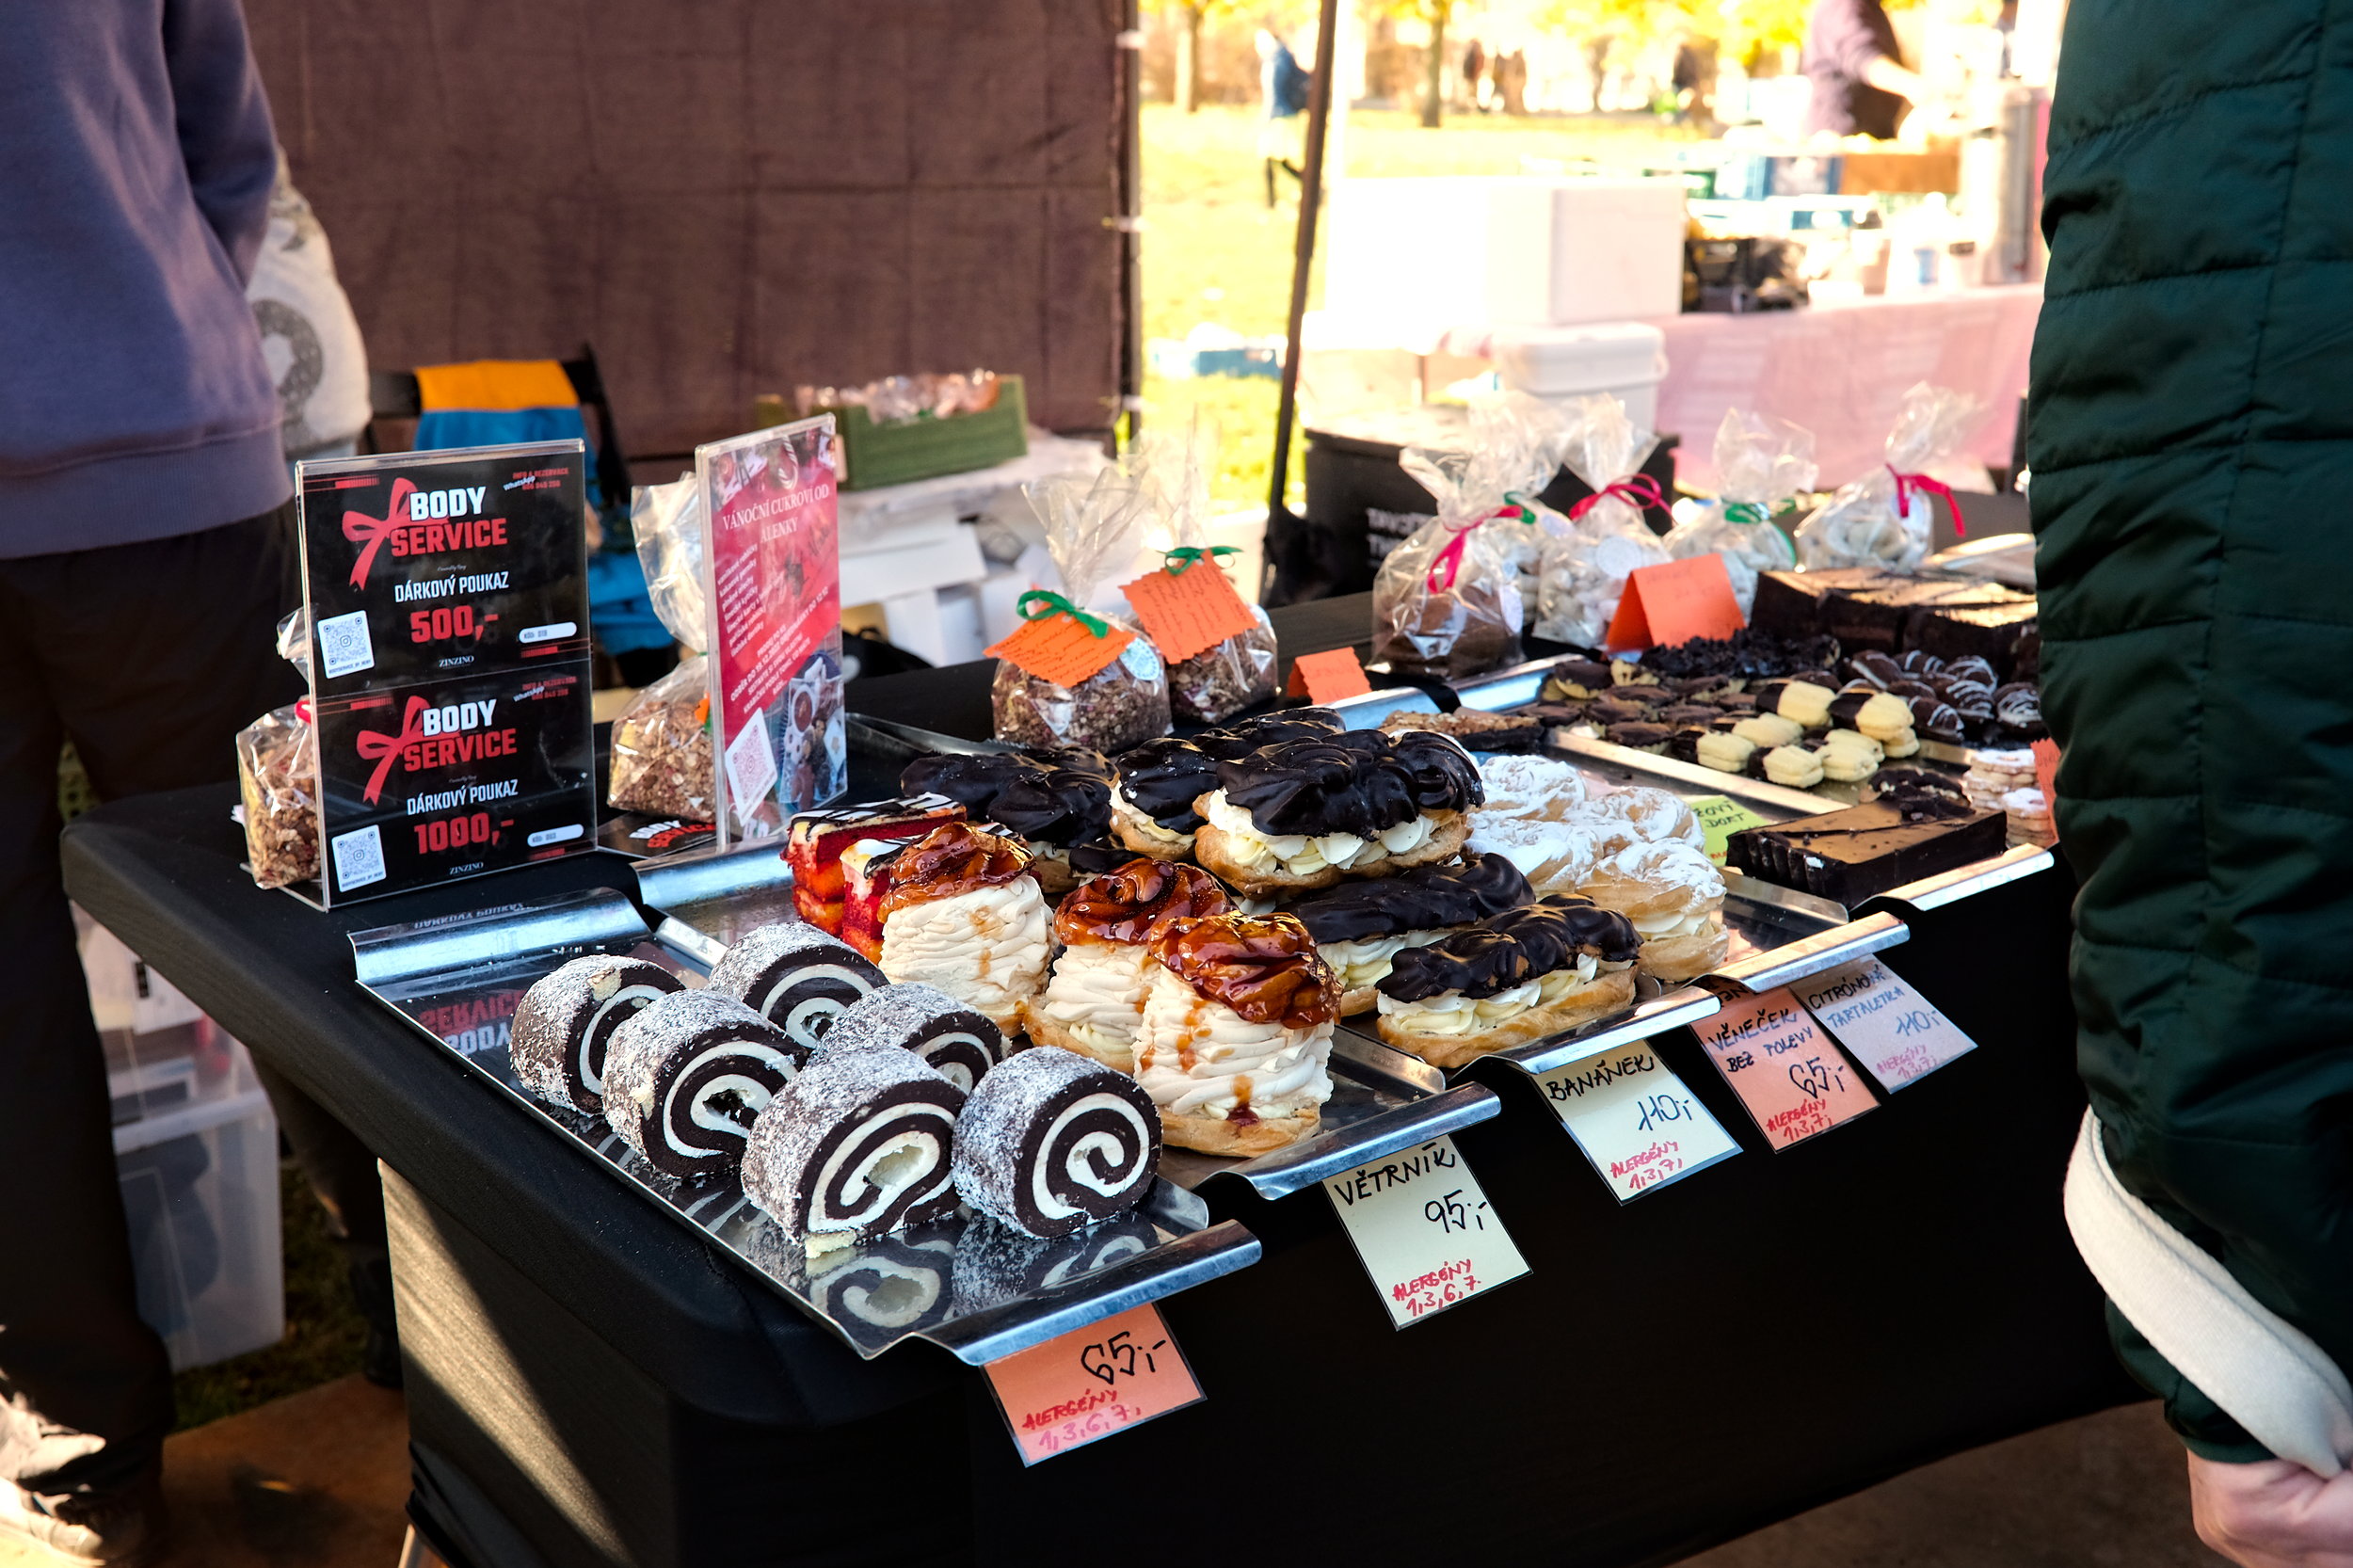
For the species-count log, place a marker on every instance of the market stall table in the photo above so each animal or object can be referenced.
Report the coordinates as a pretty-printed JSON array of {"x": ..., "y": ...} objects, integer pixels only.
[
  {"x": 592, "y": 1384},
  {"x": 1840, "y": 369}
]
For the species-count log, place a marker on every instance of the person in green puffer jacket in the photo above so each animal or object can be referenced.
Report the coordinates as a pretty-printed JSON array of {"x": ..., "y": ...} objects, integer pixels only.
[{"x": 2190, "y": 435}]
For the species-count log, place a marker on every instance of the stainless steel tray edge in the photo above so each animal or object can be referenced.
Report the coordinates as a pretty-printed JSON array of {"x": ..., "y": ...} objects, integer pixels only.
[
  {"x": 1825, "y": 949},
  {"x": 384, "y": 954},
  {"x": 1934, "y": 892},
  {"x": 1738, "y": 786},
  {"x": 1288, "y": 1171},
  {"x": 1677, "y": 1009}
]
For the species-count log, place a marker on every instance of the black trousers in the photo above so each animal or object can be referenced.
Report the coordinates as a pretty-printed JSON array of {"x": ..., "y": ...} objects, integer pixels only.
[{"x": 151, "y": 657}]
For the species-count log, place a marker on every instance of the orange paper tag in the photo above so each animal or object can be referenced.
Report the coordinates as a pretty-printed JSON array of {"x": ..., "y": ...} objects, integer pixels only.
[
  {"x": 1327, "y": 677},
  {"x": 1792, "y": 1080},
  {"x": 1184, "y": 613},
  {"x": 1090, "y": 1383},
  {"x": 2046, "y": 760},
  {"x": 1056, "y": 647},
  {"x": 1673, "y": 604}
]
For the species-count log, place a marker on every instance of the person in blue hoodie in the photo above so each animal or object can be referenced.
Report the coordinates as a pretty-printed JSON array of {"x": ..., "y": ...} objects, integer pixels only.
[{"x": 145, "y": 553}]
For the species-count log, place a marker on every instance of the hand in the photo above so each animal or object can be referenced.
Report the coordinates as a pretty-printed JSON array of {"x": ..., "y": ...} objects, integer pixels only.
[{"x": 2273, "y": 1514}]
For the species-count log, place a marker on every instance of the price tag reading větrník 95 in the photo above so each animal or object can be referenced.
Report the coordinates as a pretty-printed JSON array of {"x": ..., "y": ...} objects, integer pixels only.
[
  {"x": 1090, "y": 1383},
  {"x": 448, "y": 596},
  {"x": 1424, "y": 1230}
]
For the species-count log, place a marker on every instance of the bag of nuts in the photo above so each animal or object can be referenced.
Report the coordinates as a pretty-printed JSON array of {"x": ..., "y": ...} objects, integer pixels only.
[
  {"x": 278, "y": 778},
  {"x": 662, "y": 762},
  {"x": 1224, "y": 677}
]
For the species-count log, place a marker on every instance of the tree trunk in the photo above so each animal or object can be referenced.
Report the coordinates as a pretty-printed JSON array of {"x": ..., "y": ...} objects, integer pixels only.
[
  {"x": 1189, "y": 61},
  {"x": 1432, "y": 100},
  {"x": 1597, "y": 61}
]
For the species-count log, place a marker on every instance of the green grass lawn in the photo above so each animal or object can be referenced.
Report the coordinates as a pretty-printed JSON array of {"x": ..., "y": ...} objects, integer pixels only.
[{"x": 1213, "y": 252}]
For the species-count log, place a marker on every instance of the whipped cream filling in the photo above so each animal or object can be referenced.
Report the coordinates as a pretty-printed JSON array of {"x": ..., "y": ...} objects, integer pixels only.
[
  {"x": 1304, "y": 854},
  {"x": 1650, "y": 927},
  {"x": 1196, "y": 1057},
  {"x": 1097, "y": 992},
  {"x": 1452, "y": 1013},
  {"x": 1366, "y": 961},
  {"x": 987, "y": 948},
  {"x": 1129, "y": 816}
]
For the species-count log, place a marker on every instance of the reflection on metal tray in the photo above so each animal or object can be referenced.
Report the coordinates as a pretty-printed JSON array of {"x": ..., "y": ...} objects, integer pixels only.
[
  {"x": 1382, "y": 1100},
  {"x": 1654, "y": 1015},
  {"x": 966, "y": 1285},
  {"x": 1690, "y": 778}
]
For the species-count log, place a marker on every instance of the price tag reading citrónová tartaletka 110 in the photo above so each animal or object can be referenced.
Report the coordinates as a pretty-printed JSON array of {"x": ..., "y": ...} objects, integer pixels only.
[
  {"x": 1090, "y": 1383},
  {"x": 1640, "y": 1124},
  {"x": 449, "y": 662},
  {"x": 1891, "y": 1029},
  {"x": 1424, "y": 1230}
]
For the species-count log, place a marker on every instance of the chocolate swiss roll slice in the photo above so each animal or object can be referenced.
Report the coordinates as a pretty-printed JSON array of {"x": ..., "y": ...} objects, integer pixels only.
[
  {"x": 567, "y": 1020},
  {"x": 687, "y": 1075},
  {"x": 996, "y": 1263},
  {"x": 796, "y": 977},
  {"x": 1052, "y": 1142},
  {"x": 859, "y": 1145},
  {"x": 957, "y": 1043}
]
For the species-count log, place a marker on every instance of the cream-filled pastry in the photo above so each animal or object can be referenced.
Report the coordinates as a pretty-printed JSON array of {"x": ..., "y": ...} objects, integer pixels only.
[
  {"x": 1653, "y": 815},
  {"x": 1519, "y": 976},
  {"x": 1152, "y": 806},
  {"x": 1094, "y": 998},
  {"x": 1540, "y": 788},
  {"x": 1237, "y": 1032},
  {"x": 1305, "y": 813},
  {"x": 1675, "y": 896},
  {"x": 958, "y": 909},
  {"x": 1361, "y": 927},
  {"x": 1555, "y": 857}
]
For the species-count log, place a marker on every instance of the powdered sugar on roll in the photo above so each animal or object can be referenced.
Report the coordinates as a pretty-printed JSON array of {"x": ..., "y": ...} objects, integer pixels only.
[
  {"x": 565, "y": 1027},
  {"x": 796, "y": 976},
  {"x": 957, "y": 1043},
  {"x": 688, "y": 1074},
  {"x": 1052, "y": 1142},
  {"x": 858, "y": 1146}
]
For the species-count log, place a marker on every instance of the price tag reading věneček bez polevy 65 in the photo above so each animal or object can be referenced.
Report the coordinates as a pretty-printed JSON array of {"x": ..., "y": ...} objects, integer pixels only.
[{"x": 1424, "y": 1230}]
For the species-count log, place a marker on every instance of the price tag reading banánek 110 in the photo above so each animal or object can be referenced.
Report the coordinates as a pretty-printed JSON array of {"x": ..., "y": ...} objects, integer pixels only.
[
  {"x": 1090, "y": 1383},
  {"x": 1424, "y": 1230},
  {"x": 1640, "y": 1124}
]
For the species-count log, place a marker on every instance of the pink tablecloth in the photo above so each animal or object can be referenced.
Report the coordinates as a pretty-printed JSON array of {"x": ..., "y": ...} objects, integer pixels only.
[{"x": 1838, "y": 369}]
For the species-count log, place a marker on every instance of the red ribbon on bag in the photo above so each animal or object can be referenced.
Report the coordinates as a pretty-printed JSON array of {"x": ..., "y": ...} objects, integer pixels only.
[
  {"x": 1452, "y": 556},
  {"x": 1640, "y": 491},
  {"x": 1908, "y": 483}
]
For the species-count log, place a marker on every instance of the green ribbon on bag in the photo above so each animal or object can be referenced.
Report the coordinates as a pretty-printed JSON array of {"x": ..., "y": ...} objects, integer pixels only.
[
  {"x": 1178, "y": 559},
  {"x": 1753, "y": 511},
  {"x": 1054, "y": 604}
]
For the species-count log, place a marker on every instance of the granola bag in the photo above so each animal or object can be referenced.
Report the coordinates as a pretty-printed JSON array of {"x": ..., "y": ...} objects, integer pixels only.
[
  {"x": 1094, "y": 525},
  {"x": 278, "y": 778},
  {"x": 1762, "y": 464},
  {"x": 1886, "y": 517},
  {"x": 1221, "y": 680},
  {"x": 663, "y": 761},
  {"x": 1446, "y": 601},
  {"x": 1583, "y": 576}
]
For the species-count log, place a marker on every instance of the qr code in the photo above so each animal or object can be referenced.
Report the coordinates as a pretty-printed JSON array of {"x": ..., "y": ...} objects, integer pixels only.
[
  {"x": 343, "y": 644},
  {"x": 358, "y": 857}
]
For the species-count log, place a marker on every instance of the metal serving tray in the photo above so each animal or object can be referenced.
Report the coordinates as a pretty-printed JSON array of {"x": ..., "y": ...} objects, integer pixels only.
[
  {"x": 1382, "y": 1100},
  {"x": 964, "y": 1286}
]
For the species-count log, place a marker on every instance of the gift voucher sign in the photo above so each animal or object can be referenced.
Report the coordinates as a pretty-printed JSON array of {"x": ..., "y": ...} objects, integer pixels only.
[
  {"x": 1636, "y": 1121},
  {"x": 448, "y": 598},
  {"x": 1090, "y": 1383},
  {"x": 1424, "y": 1230},
  {"x": 1887, "y": 1026},
  {"x": 772, "y": 575},
  {"x": 1790, "y": 1079}
]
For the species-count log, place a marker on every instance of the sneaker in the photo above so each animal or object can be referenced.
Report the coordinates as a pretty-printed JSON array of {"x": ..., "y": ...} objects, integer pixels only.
[{"x": 122, "y": 1528}]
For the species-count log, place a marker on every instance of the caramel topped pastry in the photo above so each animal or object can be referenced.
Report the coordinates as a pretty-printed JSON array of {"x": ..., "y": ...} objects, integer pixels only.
[
  {"x": 957, "y": 858},
  {"x": 1129, "y": 905},
  {"x": 1263, "y": 966}
]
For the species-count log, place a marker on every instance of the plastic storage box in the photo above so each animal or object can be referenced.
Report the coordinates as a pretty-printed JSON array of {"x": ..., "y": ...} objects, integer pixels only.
[
  {"x": 1557, "y": 364},
  {"x": 196, "y": 1150}
]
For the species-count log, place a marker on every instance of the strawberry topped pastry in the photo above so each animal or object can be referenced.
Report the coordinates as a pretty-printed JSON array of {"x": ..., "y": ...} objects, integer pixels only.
[{"x": 817, "y": 839}]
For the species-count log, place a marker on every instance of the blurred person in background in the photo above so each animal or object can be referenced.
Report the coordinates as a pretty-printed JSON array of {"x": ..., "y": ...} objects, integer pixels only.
[
  {"x": 310, "y": 339},
  {"x": 1861, "y": 85},
  {"x": 145, "y": 554},
  {"x": 1283, "y": 99}
]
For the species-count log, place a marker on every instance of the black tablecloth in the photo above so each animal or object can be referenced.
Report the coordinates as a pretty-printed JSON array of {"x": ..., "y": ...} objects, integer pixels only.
[{"x": 601, "y": 1387}]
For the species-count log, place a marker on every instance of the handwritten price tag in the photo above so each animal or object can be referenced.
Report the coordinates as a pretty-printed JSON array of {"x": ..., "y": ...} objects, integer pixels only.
[
  {"x": 1891, "y": 1028},
  {"x": 1789, "y": 1077},
  {"x": 1187, "y": 612},
  {"x": 1424, "y": 1231},
  {"x": 1720, "y": 817},
  {"x": 1060, "y": 649},
  {"x": 1090, "y": 1383},
  {"x": 1637, "y": 1122},
  {"x": 1328, "y": 678}
]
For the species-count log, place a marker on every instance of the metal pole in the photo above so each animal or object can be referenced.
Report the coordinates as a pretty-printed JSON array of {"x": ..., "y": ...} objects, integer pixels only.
[{"x": 1302, "y": 254}]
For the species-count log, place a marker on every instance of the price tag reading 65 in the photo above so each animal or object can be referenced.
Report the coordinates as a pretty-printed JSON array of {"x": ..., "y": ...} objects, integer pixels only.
[
  {"x": 1424, "y": 1230},
  {"x": 1092, "y": 1383}
]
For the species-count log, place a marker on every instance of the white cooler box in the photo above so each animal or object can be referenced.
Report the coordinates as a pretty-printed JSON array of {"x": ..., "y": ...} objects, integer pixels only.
[
  {"x": 1557, "y": 364},
  {"x": 1452, "y": 251},
  {"x": 196, "y": 1150}
]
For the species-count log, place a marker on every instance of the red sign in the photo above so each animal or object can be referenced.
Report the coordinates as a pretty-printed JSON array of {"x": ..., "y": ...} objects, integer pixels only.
[
  {"x": 1791, "y": 1079},
  {"x": 1667, "y": 605},
  {"x": 1324, "y": 678},
  {"x": 1090, "y": 1383}
]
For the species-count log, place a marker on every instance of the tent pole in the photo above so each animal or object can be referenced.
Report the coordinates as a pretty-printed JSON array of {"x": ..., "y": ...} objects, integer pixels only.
[{"x": 1302, "y": 254}]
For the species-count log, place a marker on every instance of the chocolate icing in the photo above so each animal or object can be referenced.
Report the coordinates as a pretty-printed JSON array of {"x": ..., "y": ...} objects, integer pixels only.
[
  {"x": 1129, "y": 904},
  {"x": 1162, "y": 779},
  {"x": 1421, "y": 898},
  {"x": 1512, "y": 949},
  {"x": 971, "y": 779},
  {"x": 1319, "y": 787},
  {"x": 1244, "y": 736},
  {"x": 1445, "y": 778},
  {"x": 1061, "y": 806},
  {"x": 1263, "y": 966}
]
